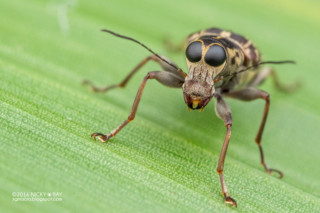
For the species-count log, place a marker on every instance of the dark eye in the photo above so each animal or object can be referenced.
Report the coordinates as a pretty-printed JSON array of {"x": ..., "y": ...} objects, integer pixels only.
[
  {"x": 194, "y": 51},
  {"x": 215, "y": 56}
]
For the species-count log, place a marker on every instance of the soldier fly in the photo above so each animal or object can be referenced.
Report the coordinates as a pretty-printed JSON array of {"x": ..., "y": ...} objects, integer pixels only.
[{"x": 221, "y": 64}]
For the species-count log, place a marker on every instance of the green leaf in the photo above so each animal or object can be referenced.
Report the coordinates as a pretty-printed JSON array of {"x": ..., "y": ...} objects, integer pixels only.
[{"x": 165, "y": 160}]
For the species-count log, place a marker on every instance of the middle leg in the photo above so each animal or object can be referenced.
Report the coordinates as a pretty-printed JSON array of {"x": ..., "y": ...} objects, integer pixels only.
[
  {"x": 250, "y": 94},
  {"x": 124, "y": 82}
]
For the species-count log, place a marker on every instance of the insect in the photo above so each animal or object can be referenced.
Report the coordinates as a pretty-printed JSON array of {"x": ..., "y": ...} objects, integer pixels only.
[{"x": 221, "y": 64}]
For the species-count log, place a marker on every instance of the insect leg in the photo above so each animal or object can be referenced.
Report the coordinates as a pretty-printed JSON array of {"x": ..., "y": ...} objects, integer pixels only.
[
  {"x": 123, "y": 83},
  {"x": 224, "y": 113},
  {"x": 163, "y": 77},
  {"x": 172, "y": 47},
  {"x": 267, "y": 71},
  {"x": 250, "y": 94}
]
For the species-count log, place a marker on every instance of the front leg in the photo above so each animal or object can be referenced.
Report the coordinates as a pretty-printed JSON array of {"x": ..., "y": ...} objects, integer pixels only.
[
  {"x": 224, "y": 113},
  {"x": 163, "y": 77}
]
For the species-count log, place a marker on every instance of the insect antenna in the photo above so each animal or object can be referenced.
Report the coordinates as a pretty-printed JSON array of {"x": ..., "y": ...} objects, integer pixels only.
[
  {"x": 255, "y": 65},
  {"x": 265, "y": 62},
  {"x": 141, "y": 44}
]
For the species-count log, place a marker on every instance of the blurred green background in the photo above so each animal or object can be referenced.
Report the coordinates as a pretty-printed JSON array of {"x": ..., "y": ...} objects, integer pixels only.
[{"x": 165, "y": 160}]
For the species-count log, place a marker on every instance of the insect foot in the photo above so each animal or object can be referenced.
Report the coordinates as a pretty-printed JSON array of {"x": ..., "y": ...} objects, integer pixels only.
[
  {"x": 101, "y": 137},
  {"x": 230, "y": 201},
  {"x": 270, "y": 171},
  {"x": 91, "y": 85},
  {"x": 93, "y": 88},
  {"x": 87, "y": 82}
]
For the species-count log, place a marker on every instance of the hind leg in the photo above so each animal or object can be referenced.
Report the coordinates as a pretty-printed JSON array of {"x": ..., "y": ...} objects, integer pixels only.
[
  {"x": 172, "y": 47},
  {"x": 268, "y": 71}
]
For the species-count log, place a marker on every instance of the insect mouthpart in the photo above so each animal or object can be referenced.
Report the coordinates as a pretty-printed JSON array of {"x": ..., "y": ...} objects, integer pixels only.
[
  {"x": 196, "y": 102},
  {"x": 197, "y": 94}
]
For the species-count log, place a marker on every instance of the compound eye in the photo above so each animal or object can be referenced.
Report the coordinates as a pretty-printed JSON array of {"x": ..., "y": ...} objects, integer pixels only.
[
  {"x": 194, "y": 51},
  {"x": 215, "y": 56}
]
